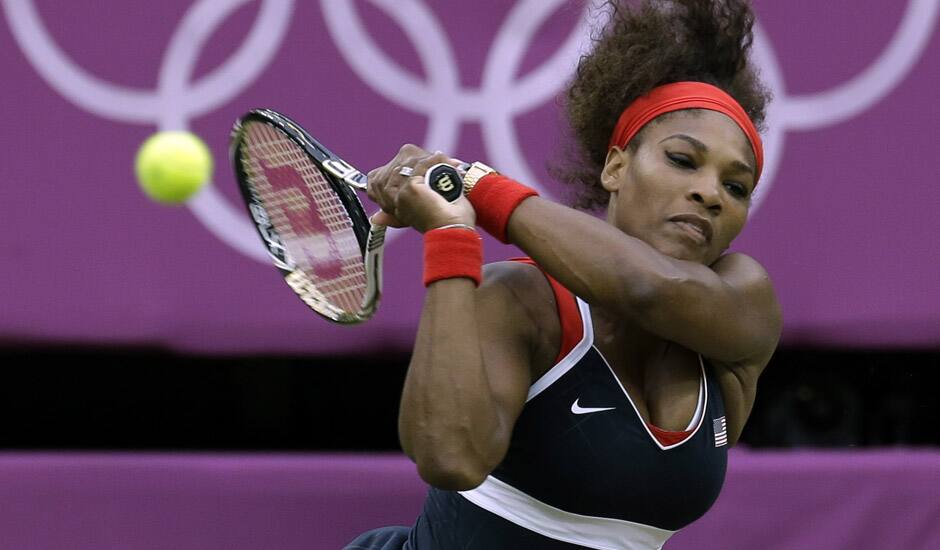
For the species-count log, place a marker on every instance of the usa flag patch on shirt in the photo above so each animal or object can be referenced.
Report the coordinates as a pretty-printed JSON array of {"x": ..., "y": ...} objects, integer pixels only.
[{"x": 721, "y": 431}]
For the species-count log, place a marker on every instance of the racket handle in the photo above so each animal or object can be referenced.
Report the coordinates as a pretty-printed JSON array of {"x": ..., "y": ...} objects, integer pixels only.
[{"x": 445, "y": 180}]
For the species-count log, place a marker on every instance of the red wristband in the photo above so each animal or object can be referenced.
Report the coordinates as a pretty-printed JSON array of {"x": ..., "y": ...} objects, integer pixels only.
[
  {"x": 452, "y": 252},
  {"x": 494, "y": 198}
]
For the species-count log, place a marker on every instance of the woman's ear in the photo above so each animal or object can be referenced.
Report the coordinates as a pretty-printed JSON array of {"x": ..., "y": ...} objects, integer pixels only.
[{"x": 614, "y": 168}]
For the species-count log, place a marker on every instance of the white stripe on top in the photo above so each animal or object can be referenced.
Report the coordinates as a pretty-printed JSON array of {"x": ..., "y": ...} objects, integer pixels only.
[
  {"x": 577, "y": 352},
  {"x": 699, "y": 408},
  {"x": 568, "y": 361},
  {"x": 601, "y": 533}
]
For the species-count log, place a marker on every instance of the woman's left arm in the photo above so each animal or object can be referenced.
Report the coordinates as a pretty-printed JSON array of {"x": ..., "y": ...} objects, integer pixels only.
[{"x": 727, "y": 312}]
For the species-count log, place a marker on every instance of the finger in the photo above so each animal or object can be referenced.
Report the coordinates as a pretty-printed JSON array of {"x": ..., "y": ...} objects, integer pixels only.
[
  {"x": 416, "y": 191},
  {"x": 384, "y": 218},
  {"x": 421, "y": 166},
  {"x": 372, "y": 181},
  {"x": 383, "y": 182},
  {"x": 407, "y": 157},
  {"x": 405, "y": 171},
  {"x": 410, "y": 150},
  {"x": 384, "y": 187},
  {"x": 405, "y": 153},
  {"x": 375, "y": 181},
  {"x": 455, "y": 162},
  {"x": 385, "y": 195}
]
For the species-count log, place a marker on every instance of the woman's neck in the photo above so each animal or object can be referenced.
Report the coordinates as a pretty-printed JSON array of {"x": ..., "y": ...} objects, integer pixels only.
[{"x": 619, "y": 338}]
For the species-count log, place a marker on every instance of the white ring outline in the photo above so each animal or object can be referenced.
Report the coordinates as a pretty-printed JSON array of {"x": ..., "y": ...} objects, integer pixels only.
[
  {"x": 229, "y": 224},
  {"x": 798, "y": 112},
  {"x": 121, "y": 103},
  {"x": 498, "y": 102},
  {"x": 173, "y": 104},
  {"x": 890, "y": 68}
]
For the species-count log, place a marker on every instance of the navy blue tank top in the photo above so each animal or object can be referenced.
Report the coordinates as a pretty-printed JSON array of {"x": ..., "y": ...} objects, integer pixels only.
[{"x": 583, "y": 469}]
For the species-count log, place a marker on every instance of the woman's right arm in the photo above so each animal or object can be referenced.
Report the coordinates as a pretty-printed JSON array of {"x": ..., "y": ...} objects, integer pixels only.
[
  {"x": 469, "y": 374},
  {"x": 474, "y": 353}
]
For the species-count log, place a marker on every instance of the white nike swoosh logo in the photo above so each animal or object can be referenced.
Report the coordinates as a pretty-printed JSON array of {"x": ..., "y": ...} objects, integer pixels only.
[{"x": 578, "y": 409}]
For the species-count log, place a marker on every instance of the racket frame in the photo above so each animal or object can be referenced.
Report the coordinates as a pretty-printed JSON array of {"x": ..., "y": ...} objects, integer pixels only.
[{"x": 342, "y": 178}]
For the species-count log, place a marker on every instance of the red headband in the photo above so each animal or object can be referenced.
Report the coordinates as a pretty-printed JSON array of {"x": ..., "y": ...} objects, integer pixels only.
[{"x": 684, "y": 95}]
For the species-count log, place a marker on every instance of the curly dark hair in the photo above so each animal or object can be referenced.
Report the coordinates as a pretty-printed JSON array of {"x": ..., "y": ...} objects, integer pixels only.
[{"x": 646, "y": 44}]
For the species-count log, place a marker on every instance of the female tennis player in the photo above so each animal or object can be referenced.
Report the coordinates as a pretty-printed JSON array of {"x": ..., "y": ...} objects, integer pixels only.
[{"x": 586, "y": 397}]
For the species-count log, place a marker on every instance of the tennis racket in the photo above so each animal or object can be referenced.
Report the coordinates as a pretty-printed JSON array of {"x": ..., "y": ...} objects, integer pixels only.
[{"x": 301, "y": 199}]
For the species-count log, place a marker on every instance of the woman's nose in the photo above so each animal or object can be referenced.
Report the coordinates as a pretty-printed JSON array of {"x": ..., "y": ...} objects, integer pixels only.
[{"x": 707, "y": 194}]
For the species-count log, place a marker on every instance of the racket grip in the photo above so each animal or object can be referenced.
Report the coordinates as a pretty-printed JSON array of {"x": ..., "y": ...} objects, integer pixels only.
[{"x": 445, "y": 180}]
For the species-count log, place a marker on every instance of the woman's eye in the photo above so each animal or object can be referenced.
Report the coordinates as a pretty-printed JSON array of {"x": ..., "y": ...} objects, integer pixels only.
[
  {"x": 736, "y": 189},
  {"x": 679, "y": 160}
]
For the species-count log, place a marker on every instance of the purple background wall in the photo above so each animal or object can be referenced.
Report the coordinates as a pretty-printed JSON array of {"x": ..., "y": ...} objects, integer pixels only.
[
  {"x": 779, "y": 501},
  {"x": 846, "y": 222}
]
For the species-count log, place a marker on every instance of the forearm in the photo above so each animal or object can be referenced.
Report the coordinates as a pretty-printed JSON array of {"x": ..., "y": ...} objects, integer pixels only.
[
  {"x": 593, "y": 259},
  {"x": 448, "y": 416}
]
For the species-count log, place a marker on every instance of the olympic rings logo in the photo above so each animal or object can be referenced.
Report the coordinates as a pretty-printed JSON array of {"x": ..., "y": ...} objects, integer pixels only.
[{"x": 500, "y": 98}]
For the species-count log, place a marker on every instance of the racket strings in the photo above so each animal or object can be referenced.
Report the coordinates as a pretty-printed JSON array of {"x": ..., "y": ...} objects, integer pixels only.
[{"x": 311, "y": 220}]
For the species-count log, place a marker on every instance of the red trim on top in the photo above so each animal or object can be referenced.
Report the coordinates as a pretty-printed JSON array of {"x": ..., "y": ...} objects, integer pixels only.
[
  {"x": 666, "y": 437},
  {"x": 572, "y": 328}
]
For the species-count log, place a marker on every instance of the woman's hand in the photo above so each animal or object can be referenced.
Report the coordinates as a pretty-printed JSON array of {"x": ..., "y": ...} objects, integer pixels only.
[{"x": 408, "y": 201}]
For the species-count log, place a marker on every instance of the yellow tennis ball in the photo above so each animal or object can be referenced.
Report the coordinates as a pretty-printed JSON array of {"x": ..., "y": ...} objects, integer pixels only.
[{"x": 172, "y": 166}]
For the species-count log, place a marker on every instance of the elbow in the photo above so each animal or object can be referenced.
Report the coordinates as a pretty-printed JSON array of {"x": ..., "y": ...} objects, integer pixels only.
[
  {"x": 450, "y": 475},
  {"x": 445, "y": 464}
]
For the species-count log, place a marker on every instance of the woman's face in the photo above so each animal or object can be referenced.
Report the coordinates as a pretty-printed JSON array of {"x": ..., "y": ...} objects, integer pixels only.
[{"x": 686, "y": 189}]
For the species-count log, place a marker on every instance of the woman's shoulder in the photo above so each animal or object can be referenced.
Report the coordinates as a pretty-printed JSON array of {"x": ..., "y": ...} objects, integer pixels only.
[
  {"x": 524, "y": 293},
  {"x": 523, "y": 279}
]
